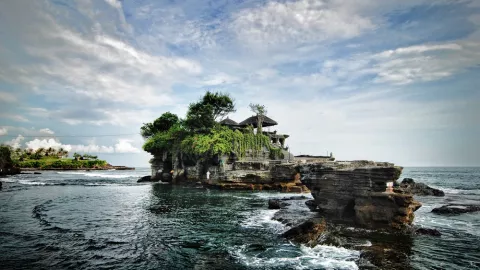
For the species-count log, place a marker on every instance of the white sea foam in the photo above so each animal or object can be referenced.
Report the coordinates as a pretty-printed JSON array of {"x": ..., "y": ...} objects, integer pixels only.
[
  {"x": 101, "y": 175},
  {"x": 32, "y": 183},
  {"x": 326, "y": 257},
  {"x": 263, "y": 219},
  {"x": 272, "y": 195}
]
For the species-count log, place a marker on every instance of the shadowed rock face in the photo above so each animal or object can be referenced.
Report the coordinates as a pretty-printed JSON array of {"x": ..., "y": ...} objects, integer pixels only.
[{"x": 355, "y": 192}]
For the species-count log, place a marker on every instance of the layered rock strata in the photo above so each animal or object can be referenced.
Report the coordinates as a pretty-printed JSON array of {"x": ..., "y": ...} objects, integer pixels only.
[{"x": 356, "y": 192}]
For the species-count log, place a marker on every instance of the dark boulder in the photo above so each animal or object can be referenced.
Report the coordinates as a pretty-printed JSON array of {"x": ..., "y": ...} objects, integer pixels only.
[
  {"x": 307, "y": 232},
  {"x": 408, "y": 185},
  {"x": 426, "y": 231},
  {"x": 456, "y": 209},
  {"x": 311, "y": 204},
  {"x": 146, "y": 178},
  {"x": 37, "y": 173},
  {"x": 277, "y": 204}
]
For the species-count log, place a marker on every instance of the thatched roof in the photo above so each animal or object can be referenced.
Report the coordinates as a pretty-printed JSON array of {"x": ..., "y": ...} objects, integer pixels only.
[
  {"x": 267, "y": 122},
  {"x": 228, "y": 122}
]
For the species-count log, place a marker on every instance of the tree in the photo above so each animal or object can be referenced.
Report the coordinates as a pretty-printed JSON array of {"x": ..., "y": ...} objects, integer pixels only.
[
  {"x": 40, "y": 151},
  {"x": 77, "y": 156},
  {"x": 260, "y": 111},
  {"x": 161, "y": 124},
  {"x": 200, "y": 117},
  {"x": 202, "y": 114},
  {"x": 222, "y": 104}
]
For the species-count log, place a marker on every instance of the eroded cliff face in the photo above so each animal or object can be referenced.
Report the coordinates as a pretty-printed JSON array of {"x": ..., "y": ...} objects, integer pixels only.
[{"x": 356, "y": 192}]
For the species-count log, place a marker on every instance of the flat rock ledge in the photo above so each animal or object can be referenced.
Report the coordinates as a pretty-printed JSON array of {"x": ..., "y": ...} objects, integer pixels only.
[{"x": 408, "y": 185}]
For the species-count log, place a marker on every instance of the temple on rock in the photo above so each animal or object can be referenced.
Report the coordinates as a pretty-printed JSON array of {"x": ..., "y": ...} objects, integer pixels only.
[{"x": 252, "y": 166}]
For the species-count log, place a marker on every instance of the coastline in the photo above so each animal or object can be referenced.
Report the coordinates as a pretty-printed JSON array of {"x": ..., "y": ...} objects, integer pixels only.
[{"x": 116, "y": 168}]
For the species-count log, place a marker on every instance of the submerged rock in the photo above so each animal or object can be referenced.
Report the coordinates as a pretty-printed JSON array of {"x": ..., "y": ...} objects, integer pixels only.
[
  {"x": 276, "y": 204},
  {"x": 456, "y": 209},
  {"x": 427, "y": 231},
  {"x": 408, "y": 185},
  {"x": 307, "y": 232},
  {"x": 311, "y": 205},
  {"x": 146, "y": 178}
]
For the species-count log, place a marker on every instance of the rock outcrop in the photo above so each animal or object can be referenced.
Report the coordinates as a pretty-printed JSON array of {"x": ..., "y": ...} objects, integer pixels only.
[
  {"x": 307, "y": 233},
  {"x": 6, "y": 164},
  {"x": 356, "y": 192},
  {"x": 146, "y": 178},
  {"x": 456, "y": 209},
  {"x": 408, "y": 185}
]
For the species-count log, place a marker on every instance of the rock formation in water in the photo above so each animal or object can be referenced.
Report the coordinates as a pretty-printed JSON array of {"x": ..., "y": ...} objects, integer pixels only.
[
  {"x": 6, "y": 164},
  {"x": 356, "y": 192},
  {"x": 408, "y": 185},
  {"x": 456, "y": 209}
]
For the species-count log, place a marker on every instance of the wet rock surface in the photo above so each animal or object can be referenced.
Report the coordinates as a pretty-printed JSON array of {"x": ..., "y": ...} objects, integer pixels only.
[
  {"x": 408, "y": 185},
  {"x": 276, "y": 204},
  {"x": 146, "y": 178},
  {"x": 356, "y": 193},
  {"x": 427, "y": 231},
  {"x": 456, "y": 209},
  {"x": 379, "y": 249},
  {"x": 307, "y": 232}
]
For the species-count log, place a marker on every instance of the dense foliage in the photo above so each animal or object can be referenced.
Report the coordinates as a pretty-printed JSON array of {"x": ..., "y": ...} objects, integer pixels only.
[
  {"x": 5, "y": 156},
  {"x": 161, "y": 124},
  {"x": 52, "y": 163},
  {"x": 200, "y": 135}
]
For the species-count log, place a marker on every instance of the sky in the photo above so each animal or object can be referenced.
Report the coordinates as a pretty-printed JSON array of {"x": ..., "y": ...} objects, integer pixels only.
[{"x": 393, "y": 80}]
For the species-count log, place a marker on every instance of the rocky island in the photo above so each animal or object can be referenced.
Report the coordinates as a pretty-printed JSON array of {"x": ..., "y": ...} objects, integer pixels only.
[{"x": 229, "y": 155}]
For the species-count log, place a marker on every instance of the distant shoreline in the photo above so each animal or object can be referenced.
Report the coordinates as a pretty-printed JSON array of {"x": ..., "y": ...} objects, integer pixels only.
[{"x": 116, "y": 168}]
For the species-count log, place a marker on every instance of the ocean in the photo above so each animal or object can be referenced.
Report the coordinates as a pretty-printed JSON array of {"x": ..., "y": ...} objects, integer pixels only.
[{"x": 105, "y": 220}]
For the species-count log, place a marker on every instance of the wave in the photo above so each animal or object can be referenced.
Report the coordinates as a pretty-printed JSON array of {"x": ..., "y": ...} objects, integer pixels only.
[
  {"x": 463, "y": 191},
  {"x": 263, "y": 219},
  {"x": 318, "y": 257},
  {"x": 277, "y": 195},
  {"x": 101, "y": 175}
]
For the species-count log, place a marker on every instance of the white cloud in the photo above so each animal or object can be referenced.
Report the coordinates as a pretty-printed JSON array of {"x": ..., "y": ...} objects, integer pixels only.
[
  {"x": 7, "y": 97},
  {"x": 14, "y": 117},
  {"x": 92, "y": 148},
  {"x": 46, "y": 131},
  {"x": 219, "y": 79},
  {"x": 46, "y": 143},
  {"x": 94, "y": 66},
  {"x": 297, "y": 22},
  {"x": 122, "y": 146},
  {"x": 3, "y": 131},
  {"x": 125, "y": 146},
  {"x": 16, "y": 143}
]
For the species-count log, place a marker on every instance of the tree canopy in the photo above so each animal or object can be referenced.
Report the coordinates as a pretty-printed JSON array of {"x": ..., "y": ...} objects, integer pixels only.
[
  {"x": 161, "y": 124},
  {"x": 200, "y": 135}
]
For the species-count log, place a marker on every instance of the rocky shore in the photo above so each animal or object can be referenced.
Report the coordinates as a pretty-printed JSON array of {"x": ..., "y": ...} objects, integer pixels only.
[{"x": 356, "y": 193}]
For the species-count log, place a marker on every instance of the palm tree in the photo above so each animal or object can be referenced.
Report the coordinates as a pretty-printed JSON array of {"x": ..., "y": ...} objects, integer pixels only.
[
  {"x": 261, "y": 111},
  {"x": 40, "y": 151},
  {"x": 49, "y": 152}
]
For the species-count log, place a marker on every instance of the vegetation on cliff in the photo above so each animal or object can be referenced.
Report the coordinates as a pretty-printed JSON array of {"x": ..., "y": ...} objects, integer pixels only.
[{"x": 200, "y": 135}]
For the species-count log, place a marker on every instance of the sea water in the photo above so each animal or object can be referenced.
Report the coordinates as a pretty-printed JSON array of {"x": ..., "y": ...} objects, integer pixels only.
[{"x": 104, "y": 219}]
